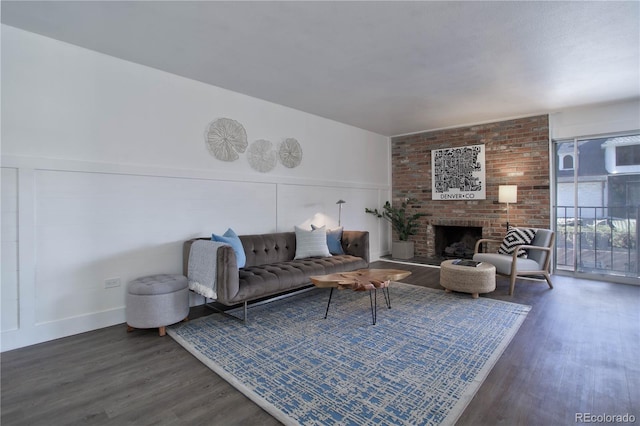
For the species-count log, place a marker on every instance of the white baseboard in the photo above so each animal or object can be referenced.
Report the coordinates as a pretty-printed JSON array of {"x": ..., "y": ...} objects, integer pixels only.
[{"x": 28, "y": 335}]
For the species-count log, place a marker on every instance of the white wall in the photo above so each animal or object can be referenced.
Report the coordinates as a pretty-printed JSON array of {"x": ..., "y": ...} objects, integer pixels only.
[
  {"x": 596, "y": 120},
  {"x": 105, "y": 173}
]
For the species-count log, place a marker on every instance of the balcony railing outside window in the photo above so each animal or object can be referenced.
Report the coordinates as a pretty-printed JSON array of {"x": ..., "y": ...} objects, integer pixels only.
[{"x": 598, "y": 239}]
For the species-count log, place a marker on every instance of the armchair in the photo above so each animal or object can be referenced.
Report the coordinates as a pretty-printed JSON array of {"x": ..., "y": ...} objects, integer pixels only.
[{"x": 535, "y": 264}]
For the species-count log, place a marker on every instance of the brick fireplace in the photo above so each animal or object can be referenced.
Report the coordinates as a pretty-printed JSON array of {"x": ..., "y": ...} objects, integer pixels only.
[
  {"x": 446, "y": 233},
  {"x": 517, "y": 153},
  {"x": 455, "y": 241}
]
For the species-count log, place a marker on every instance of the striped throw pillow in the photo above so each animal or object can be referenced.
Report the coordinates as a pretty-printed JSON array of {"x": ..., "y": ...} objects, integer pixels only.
[
  {"x": 516, "y": 237},
  {"x": 311, "y": 243}
]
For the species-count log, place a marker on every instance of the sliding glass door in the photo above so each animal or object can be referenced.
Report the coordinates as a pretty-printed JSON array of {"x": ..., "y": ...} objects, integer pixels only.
[{"x": 598, "y": 206}]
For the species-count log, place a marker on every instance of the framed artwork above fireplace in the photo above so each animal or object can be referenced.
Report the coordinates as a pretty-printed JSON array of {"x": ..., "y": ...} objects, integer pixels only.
[{"x": 458, "y": 173}]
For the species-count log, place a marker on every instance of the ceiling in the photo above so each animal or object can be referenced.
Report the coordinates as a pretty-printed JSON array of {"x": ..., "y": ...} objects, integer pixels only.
[{"x": 389, "y": 67}]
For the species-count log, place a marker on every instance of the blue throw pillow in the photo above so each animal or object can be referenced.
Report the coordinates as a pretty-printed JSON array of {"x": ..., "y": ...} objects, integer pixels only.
[
  {"x": 233, "y": 240},
  {"x": 334, "y": 240}
]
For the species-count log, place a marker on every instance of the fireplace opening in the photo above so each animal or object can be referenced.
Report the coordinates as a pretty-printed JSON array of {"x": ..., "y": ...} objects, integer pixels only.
[{"x": 456, "y": 241}]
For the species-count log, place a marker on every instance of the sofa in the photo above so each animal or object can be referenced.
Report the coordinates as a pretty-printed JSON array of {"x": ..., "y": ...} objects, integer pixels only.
[{"x": 271, "y": 268}]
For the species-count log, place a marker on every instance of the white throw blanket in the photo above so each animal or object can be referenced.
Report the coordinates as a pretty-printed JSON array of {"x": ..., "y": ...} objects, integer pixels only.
[{"x": 202, "y": 267}]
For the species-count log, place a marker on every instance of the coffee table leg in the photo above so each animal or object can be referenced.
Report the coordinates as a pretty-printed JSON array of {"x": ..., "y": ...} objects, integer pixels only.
[
  {"x": 387, "y": 296},
  {"x": 374, "y": 304},
  {"x": 328, "y": 303}
]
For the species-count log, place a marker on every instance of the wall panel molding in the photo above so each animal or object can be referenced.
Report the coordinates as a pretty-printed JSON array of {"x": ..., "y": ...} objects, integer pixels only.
[{"x": 55, "y": 164}]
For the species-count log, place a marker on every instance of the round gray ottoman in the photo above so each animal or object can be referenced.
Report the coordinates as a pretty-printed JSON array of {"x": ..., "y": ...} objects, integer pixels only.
[
  {"x": 468, "y": 279},
  {"x": 157, "y": 301}
]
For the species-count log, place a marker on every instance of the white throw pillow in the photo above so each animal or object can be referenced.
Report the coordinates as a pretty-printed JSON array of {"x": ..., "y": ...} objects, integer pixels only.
[{"x": 311, "y": 243}]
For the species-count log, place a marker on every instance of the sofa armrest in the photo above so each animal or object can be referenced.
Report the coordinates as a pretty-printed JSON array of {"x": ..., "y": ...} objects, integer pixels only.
[
  {"x": 356, "y": 243},
  {"x": 227, "y": 277},
  {"x": 186, "y": 249}
]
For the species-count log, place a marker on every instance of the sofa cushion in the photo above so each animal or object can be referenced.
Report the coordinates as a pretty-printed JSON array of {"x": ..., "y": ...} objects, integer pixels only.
[
  {"x": 265, "y": 280},
  {"x": 311, "y": 243},
  {"x": 262, "y": 249},
  {"x": 231, "y": 238}
]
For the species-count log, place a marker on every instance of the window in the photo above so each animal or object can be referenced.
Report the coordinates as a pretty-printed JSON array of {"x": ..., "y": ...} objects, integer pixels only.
[
  {"x": 567, "y": 163},
  {"x": 628, "y": 155},
  {"x": 622, "y": 154},
  {"x": 597, "y": 182}
]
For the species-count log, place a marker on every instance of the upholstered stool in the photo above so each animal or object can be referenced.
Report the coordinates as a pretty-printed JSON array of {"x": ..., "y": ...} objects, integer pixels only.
[
  {"x": 468, "y": 279},
  {"x": 157, "y": 301}
]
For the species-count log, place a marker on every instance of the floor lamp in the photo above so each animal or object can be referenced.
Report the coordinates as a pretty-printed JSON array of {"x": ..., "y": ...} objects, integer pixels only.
[
  {"x": 508, "y": 194},
  {"x": 340, "y": 203}
]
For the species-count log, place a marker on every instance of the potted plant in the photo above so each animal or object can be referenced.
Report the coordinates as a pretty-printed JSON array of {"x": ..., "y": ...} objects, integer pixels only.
[{"x": 404, "y": 223}]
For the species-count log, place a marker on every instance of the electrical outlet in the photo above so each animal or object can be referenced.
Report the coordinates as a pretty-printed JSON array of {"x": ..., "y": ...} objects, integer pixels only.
[{"x": 112, "y": 282}]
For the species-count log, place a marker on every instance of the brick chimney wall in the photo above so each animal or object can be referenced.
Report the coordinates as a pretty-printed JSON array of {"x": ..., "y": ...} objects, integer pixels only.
[{"x": 516, "y": 153}]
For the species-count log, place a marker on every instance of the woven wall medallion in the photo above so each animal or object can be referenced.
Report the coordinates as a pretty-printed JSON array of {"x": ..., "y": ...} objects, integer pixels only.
[
  {"x": 225, "y": 138},
  {"x": 261, "y": 156},
  {"x": 290, "y": 153}
]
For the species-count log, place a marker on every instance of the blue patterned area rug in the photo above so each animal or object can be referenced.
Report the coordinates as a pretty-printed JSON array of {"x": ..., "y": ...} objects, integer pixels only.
[{"x": 420, "y": 364}]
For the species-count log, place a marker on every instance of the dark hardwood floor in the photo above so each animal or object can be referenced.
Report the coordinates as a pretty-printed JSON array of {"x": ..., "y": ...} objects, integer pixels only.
[{"x": 577, "y": 352}]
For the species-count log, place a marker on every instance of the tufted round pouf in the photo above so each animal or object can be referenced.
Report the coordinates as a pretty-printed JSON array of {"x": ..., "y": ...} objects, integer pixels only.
[
  {"x": 468, "y": 279},
  {"x": 157, "y": 301}
]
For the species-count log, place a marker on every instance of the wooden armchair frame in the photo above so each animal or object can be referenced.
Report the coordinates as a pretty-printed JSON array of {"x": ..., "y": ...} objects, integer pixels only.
[{"x": 514, "y": 272}]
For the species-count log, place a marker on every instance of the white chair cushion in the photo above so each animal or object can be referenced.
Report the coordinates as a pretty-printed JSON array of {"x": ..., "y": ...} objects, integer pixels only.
[{"x": 502, "y": 262}]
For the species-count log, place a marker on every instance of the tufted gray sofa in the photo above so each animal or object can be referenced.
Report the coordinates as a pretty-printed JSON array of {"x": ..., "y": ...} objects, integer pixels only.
[{"x": 271, "y": 269}]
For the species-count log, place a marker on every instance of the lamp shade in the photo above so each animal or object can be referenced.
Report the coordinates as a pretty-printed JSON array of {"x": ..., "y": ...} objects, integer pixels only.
[{"x": 508, "y": 193}]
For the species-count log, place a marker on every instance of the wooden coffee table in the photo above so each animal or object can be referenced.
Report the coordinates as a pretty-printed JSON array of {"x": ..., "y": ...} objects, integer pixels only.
[{"x": 362, "y": 280}]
